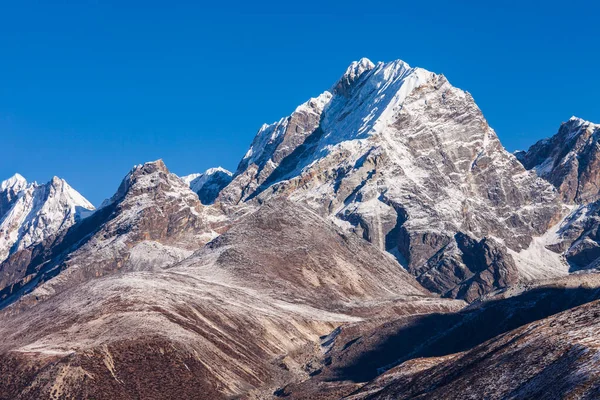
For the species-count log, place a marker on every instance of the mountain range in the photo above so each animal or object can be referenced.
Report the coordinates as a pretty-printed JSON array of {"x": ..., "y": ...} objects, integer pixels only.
[{"x": 378, "y": 242}]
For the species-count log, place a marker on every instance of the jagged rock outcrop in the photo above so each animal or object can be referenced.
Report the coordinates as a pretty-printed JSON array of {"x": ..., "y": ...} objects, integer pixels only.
[
  {"x": 570, "y": 160},
  {"x": 401, "y": 157},
  {"x": 31, "y": 213},
  {"x": 467, "y": 268}
]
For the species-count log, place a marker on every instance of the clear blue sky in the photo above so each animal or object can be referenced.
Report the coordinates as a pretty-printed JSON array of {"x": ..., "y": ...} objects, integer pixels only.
[{"x": 90, "y": 88}]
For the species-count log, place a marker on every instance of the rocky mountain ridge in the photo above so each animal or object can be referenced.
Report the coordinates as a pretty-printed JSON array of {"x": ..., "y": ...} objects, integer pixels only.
[
  {"x": 241, "y": 315},
  {"x": 570, "y": 160},
  {"x": 407, "y": 161}
]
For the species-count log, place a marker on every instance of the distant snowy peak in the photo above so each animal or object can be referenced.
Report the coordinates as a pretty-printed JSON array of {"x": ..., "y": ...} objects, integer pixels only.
[
  {"x": 30, "y": 213},
  {"x": 209, "y": 184},
  {"x": 59, "y": 188},
  {"x": 191, "y": 177},
  {"x": 570, "y": 160},
  {"x": 15, "y": 183}
]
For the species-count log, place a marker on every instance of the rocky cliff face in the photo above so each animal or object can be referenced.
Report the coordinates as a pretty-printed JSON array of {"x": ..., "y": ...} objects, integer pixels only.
[
  {"x": 570, "y": 160},
  {"x": 407, "y": 161}
]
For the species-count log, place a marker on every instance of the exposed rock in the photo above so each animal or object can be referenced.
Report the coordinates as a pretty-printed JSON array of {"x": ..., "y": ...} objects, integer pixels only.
[
  {"x": 399, "y": 156},
  {"x": 150, "y": 204},
  {"x": 552, "y": 358},
  {"x": 570, "y": 160},
  {"x": 467, "y": 269}
]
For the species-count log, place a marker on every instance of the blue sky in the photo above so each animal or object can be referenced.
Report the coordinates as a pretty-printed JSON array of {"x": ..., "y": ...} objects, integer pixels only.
[{"x": 90, "y": 88}]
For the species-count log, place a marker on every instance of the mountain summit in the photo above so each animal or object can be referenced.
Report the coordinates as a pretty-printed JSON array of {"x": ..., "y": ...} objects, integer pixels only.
[{"x": 406, "y": 160}]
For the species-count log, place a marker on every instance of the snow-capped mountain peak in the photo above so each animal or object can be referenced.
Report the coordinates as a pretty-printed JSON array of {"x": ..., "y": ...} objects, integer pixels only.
[
  {"x": 30, "y": 213},
  {"x": 209, "y": 184},
  {"x": 15, "y": 182},
  {"x": 71, "y": 196},
  {"x": 354, "y": 71},
  {"x": 401, "y": 156}
]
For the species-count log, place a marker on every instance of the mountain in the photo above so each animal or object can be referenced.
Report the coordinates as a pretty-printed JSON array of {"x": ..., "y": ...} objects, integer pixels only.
[
  {"x": 379, "y": 242},
  {"x": 570, "y": 160},
  {"x": 30, "y": 213},
  {"x": 407, "y": 161},
  {"x": 151, "y": 204},
  {"x": 9, "y": 191},
  {"x": 553, "y": 357},
  {"x": 209, "y": 184},
  {"x": 134, "y": 310}
]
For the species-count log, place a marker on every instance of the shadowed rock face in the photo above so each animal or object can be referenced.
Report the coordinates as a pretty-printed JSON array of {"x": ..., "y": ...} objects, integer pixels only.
[
  {"x": 467, "y": 269},
  {"x": 402, "y": 158},
  {"x": 440, "y": 355},
  {"x": 552, "y": 358},
  {"x": 209, "y": 184}
]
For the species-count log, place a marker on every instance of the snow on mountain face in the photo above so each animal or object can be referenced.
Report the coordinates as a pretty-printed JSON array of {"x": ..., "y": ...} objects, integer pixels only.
[
  {"x": 153, "y": 219},
  {"x": 15, "y": 182},
  {"x": 257, "y": 298},
  {"x": 209, "y": 184},
  {"x": 570, "y": 160},
  {"x": 400, "y": 156},
  {"x": 30, "y": 213}
]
